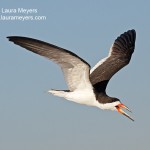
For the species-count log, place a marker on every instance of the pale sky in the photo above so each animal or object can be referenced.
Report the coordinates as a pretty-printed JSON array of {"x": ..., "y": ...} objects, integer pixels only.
[{"x": 32, "y": 119}]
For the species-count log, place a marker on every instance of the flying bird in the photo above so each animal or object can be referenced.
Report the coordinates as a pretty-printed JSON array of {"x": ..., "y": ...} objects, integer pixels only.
[{"x": 85, "y": 85}]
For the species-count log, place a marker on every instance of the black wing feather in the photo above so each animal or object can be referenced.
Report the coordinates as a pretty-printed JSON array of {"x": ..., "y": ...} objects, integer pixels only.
[
  {"x": 120, "y": 55},
  {"x": 72, "y": 65}
]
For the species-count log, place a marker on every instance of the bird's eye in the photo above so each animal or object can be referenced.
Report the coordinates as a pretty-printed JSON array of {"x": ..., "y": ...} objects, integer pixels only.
[{"x": 117, "y": 106}]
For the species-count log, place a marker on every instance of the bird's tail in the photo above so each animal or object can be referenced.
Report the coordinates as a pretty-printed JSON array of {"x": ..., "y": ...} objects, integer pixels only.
[{"x": 60, "y": 93}]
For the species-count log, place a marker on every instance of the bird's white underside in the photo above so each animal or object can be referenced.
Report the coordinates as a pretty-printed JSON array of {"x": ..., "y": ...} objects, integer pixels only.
[
  {"x": 84, "y": 96},
  {"x": 84, "y": 93}
]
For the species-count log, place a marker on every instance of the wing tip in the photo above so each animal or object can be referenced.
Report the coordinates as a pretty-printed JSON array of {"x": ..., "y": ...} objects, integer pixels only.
[
  {"x": 131, "y": 32},
  {"x": 9, "y": 38},
  {"x": 125, "y": 42},
  {"x": 12, "y": 38}
]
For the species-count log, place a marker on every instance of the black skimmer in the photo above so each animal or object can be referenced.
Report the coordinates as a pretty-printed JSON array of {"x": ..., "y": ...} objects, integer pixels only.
[{"x": 86, "y": 86}]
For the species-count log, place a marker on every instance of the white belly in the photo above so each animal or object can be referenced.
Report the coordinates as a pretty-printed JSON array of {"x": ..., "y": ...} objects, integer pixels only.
[
  {"x": 86, "y": 97},
  {"x": 83, "y": 97}
]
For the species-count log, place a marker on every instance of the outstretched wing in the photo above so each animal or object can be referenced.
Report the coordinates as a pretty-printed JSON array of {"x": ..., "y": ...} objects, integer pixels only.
[
  {"x": 75, "y": 69},
  {"x": 119, "y": 56}
]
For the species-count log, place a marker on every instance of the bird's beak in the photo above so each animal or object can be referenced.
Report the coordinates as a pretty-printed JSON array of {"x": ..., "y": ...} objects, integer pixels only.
[{"x": 119, "y": 106}]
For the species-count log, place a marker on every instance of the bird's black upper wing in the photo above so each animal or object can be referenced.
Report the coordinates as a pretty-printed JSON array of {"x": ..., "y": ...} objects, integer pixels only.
[{"x": 119, "y": 56}]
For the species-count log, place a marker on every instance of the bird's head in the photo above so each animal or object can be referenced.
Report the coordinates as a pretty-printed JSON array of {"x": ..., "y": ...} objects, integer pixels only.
[{"x": 118, "y": 108}]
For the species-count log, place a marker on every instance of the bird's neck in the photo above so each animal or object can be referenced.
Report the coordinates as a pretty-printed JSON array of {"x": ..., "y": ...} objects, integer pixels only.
[{"x": 103, "y": 98}]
